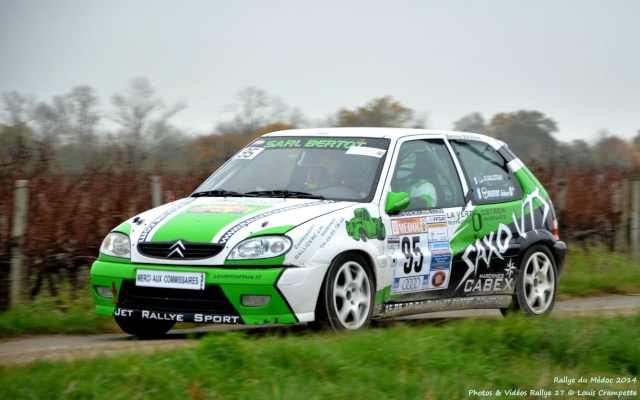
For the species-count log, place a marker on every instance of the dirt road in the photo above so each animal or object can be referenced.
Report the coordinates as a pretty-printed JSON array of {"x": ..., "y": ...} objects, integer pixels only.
[{"x": 53, "y": 348}]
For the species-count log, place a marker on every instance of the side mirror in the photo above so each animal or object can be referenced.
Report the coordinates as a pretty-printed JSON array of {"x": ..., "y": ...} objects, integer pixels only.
[{"x": 397, "y": 201}]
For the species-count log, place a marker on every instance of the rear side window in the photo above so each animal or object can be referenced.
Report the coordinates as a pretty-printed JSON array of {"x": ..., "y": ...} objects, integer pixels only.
[{"x": 487, "y": 174}]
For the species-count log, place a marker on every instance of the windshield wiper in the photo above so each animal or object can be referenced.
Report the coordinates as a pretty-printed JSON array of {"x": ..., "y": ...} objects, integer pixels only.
[
  {"x": 284, "y": 193},
  {"x": 217, "y": 193}
]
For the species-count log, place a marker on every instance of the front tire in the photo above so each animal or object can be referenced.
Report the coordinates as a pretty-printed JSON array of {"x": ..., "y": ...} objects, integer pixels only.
[
  {"x": 537, "y": 284},
  {"x": 144, "y": 329},
  {"x": 347, "y": 295}
]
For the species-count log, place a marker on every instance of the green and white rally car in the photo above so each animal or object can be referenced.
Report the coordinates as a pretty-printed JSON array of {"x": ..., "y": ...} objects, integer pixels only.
[{"x": 336, "y": 227}]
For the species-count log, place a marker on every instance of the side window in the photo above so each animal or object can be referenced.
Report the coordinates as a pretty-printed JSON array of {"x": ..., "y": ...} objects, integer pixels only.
[
  {"x": 424, "y": 169},
  {"x": 487, "y": 173}
]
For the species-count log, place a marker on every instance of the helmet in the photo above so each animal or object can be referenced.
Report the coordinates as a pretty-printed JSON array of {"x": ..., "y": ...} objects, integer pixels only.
[
  {"x": 407, "y": 158},
  {"x": 321, "y": 169},
  {"x": 406, "y": 165}
]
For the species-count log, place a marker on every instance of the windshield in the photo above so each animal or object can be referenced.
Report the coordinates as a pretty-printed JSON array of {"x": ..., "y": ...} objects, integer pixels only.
[{"x": 336, "y": 168}]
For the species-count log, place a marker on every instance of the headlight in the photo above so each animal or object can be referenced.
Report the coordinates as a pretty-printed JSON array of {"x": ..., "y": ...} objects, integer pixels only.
[
  {"x": 260, "y": 247},
  {"x": 116, "y": 244}
]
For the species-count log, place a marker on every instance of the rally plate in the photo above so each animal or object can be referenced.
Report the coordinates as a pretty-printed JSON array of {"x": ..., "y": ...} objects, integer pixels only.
[{"x": 170, "y": 279}]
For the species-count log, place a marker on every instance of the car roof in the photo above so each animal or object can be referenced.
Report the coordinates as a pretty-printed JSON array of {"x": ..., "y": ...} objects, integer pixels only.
[{"x": 387, "y": 133}]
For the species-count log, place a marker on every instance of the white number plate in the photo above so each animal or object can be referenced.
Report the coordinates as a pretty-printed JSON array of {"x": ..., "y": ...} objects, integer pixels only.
[{"x": 170, "y": 279}]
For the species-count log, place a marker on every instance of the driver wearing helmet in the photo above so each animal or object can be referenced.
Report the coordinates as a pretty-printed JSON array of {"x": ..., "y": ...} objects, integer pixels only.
[
  {"x": 408, "y": 177},
  {"x": 321, "y": 170}
]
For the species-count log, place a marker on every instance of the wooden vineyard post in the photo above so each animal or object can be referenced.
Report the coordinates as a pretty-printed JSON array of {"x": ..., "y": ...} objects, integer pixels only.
[
  {"x": 622, "y": 231},
  {"x": 635, "y": 219},
  {"x": 18, "y": 241},
  {"x": 156, "y": 191}
]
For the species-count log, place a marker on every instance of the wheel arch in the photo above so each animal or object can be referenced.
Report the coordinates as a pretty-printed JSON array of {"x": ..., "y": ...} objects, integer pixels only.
[
  {"x": 322, "y": 313},
  {"x": 545, "y": 238},
  {"x": 365, "y": 256}
]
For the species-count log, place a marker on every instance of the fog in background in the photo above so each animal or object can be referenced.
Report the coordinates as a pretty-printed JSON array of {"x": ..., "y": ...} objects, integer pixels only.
[{"x": 575, "y": 61}]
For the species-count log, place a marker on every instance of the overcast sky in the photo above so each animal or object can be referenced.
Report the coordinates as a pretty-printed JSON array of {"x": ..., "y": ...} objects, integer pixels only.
[{"x": 576, "y": 61}]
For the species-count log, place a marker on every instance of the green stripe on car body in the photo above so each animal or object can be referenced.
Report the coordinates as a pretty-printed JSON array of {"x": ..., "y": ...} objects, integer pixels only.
[
  {"x": 124, "y": 227},
  {"x": 198, "y": 226},
  {"x": 278, "y": 230},
  {"x": 118, "y": 260},
  {"x": 274, "y": 312}
]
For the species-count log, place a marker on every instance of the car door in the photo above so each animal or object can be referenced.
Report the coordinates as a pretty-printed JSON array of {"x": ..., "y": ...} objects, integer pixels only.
[
  {"x": 418, "y": 238},
  {"x": 484, "y": 262}
]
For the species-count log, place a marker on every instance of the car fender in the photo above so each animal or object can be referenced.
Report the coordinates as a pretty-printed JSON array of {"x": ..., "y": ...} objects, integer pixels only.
[{"x": 543, "y": 237}]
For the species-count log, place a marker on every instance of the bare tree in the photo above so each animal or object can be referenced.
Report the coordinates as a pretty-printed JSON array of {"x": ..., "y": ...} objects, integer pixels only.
[
  {"x": 611, "y": 150},
  {"x": 381, "y": 112},
  {"x": 577, "y": 153},
  {"x": 636, "y": 141},
  {"x": 71, "y": 118},
  {"x": 135, "y": 112},
  {"x": 16, "y": 136},
  {"x": 46, "y": 123},
  {"x": 473, "y": 123},
  {"x": 250, "y": 112},
  {"x": 16, "y": 108},
  {"x": 528, "y": 133},
  {"x": 84, "y": 116},
  {"x": 254, "y": 109}
]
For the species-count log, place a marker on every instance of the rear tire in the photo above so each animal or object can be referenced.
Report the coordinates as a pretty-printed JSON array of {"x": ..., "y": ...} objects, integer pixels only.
[
  {"x": 537, "y": 283},
  {"x": 144, "y": 329},
  {"x": 347, "y": 295}
]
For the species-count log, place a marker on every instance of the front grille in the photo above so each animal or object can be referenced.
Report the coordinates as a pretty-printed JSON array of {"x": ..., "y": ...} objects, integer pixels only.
[
  {"x": 212, "y": 300},
  {"x": 180, "y": 250}
]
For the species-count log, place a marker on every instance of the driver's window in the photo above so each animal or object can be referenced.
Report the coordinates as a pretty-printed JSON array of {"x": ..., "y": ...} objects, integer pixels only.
[{"x": 424, "y": 170}]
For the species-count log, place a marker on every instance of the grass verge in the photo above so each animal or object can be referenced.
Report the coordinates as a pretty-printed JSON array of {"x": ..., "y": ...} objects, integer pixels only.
[
  {"x": 64, "y": 314},
  {"x": 596, "y": 270},
  {"x": 403, "y": 361}
]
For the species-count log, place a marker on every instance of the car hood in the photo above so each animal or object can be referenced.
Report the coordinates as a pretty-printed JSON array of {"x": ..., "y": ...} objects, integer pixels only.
[{"x": 226, "y": 220}]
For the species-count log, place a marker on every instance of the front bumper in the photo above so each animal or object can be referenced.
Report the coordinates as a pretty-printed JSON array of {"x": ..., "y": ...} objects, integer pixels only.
[{"x": 221, "y": 301}]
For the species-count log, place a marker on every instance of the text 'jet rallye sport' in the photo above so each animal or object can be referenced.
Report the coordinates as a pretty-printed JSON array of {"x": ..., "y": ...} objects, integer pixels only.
[{"x": 336, "y": 227}]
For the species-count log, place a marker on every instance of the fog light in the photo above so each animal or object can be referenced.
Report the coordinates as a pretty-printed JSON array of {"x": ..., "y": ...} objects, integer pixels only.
[
  {"x": 249, "y": 300},
  {"x": 104, "y": 291}
]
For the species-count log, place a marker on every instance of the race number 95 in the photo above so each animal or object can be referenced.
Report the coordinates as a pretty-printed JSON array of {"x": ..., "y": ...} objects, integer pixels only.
[
  {"x": 412, "y": 253},
  {"x": 249, "y": 152}
]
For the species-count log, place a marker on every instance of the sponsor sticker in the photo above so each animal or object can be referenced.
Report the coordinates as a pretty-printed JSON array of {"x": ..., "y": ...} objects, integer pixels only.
[
  {"x": 336, "y": 143},
  {"x": 366, "y": 151},
  {"x": 408, "y": 226},
  {"x": 438, "y": 279},
  {"x": 248, "y": 153},
  {"x": 170, "y": 279},
  {"x": 441, "y": 259},
  {"x": 177, "y": 317},
  {"x": 485, "y": 193},
  {"x": 487, "y": 178},
  {"x": 221, "y": 209},
  {"x": 439, "y": 246},
  {"x": 438, "y": 232},
  {"x": 410, "y": 284}
]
